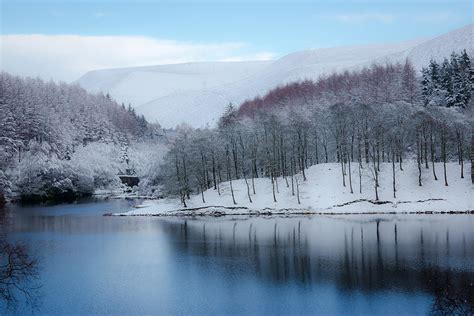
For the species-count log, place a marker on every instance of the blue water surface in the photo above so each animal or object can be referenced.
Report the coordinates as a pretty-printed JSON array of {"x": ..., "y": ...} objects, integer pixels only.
[{"x": 91, "y": 264}]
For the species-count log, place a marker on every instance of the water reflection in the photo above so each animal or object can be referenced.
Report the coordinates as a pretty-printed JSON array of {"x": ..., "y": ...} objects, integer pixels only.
[
  {"x": 91, "y": 264},
  {"x": 19, "y": 271},
  {"x": 432, "y": 254}
]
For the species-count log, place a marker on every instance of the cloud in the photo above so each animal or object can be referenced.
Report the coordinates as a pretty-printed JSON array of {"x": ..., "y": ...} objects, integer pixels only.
[
  {"x": 67, "y": 57},
  {"x": 361, "y": 17}
]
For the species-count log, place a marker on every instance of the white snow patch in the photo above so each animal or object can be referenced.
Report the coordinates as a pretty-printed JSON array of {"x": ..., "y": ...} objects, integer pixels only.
[{"x": 323, "y": 192}]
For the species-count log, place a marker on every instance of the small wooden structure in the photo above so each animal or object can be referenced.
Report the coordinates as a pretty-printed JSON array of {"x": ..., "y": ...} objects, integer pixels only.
[{"x": 130, "y": 181}]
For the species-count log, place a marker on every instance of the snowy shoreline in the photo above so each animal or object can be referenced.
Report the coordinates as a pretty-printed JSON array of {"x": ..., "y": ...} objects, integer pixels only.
[
  {"x": 324, "y": 194},
  {"x": 219, "y": 211}
]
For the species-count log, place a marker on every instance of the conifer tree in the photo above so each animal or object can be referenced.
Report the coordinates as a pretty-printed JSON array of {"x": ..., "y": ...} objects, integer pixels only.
[
  {"x": 446, "y": 76},
  {"x": 465, "y": 79}
]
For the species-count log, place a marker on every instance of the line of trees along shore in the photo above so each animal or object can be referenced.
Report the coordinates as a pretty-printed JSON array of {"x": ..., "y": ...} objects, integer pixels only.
[{"x": 358, "y": 120}]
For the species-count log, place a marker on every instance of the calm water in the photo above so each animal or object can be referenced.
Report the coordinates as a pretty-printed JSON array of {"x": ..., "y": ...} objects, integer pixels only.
[{"x": 95, "y": 265}]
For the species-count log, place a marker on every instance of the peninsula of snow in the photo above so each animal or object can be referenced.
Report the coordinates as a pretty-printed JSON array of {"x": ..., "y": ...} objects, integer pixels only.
[{"x": 323, "y": 193}]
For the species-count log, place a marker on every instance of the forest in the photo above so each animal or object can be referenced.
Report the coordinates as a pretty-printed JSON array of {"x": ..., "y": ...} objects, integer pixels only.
[
  {"x": 360, "y": 119},
  {"x": 58, "y": 141}
]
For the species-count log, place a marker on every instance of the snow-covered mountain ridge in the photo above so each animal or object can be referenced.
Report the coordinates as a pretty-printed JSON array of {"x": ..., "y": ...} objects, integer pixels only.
[{"x": 197, "y": 93}]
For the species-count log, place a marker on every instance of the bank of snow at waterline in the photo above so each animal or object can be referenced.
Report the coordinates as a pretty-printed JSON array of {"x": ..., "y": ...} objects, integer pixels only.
[{"x": 323, "y": 192}]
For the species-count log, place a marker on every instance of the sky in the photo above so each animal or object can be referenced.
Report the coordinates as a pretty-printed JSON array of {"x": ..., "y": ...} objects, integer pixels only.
[{"x": 61, "y": 40}]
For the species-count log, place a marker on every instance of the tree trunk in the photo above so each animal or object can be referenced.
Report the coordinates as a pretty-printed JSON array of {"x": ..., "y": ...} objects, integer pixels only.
[
  {"x": 350, "y": 175},
  {"x": 443, "y": 154},
  {"x": 378, "y": 155},
  {"x": 360, "y": 175},
  {"x": 292, "y": 185},
  {"x": 244, "y": 169},
  {"x": 400, "y": 153},
  {"x": 472, "y": 157},
  {"x": 214, "y": 170},
  {"x": 461, "y": 152},
  {"x": 393, "y": 174},
  {"x": 180, "y": 184},
  {"x": 253, "y": 185},
  {"x": 432, "y": 150},
  {"x": 301, "y": 155},
  {"x": 234, "y": 155},
  {"x": 183, "y": 200},
  {"x": 376, "y": 174},
  {"x": 273, "y": 188},
  {"x": 316, "y": 148},
  {"x": 202, "y": 195},
  {"x": 220, "y": 178},
  {"x": 418, "y": 157},
  {"x": 425, "y": 147},
  {"x": 276, "y": 184},
  {"x": 341, "y": 160},
  {"x": 230, "y": 176},
  {"x": 298, "y": 191},
  {"x": 325, "y": 152},
  {"x": 366, "y": 141},
  {"x": 186, "y": 183},
  {"x": 248, "y": 189}
]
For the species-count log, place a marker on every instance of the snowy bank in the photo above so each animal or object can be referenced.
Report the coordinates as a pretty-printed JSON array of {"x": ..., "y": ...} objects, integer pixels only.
[{"x": 323, "y": 193}]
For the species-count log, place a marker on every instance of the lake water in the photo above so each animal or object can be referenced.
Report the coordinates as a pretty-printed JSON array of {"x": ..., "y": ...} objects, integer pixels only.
[{"x": 392, "y": 265}]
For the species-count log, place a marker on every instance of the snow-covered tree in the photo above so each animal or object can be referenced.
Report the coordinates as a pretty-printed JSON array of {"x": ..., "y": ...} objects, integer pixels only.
[{"x": 55, "y": 122}]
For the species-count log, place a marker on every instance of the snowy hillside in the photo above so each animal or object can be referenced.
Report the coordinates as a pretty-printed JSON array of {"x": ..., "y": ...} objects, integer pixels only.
[
  {"x": 323, "y": 193},
  {"x": 141, "y": 85},
  {"x": 439, "y": 47},
  {"x": 197, "y": 93}
]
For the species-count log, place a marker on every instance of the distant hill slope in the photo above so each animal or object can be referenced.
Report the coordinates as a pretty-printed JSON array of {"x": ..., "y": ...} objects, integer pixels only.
[
  {"x": 197, "y": 93},
  {"x": 139, "y": 85}
]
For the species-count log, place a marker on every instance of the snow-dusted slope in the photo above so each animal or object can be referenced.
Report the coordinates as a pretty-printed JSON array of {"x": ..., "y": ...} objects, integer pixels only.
[
  {"x": 323, "y": 192},
  {"x": 197, "y": 93},
  {"x": 443, "y": 45},
  {"x": 437, "y": 48},
  {"x": 139, "y": 85}
]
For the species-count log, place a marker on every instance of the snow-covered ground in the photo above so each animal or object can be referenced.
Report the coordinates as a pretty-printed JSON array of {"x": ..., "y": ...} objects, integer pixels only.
[
  {"x": 323, "y": 193},
  {"x": 199, "y": 92}
]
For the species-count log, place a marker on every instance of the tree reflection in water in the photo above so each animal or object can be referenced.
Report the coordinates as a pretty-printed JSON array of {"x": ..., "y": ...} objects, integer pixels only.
[
  {"x": 18, "y": 271},
  {"x": 370, "y": 255}
]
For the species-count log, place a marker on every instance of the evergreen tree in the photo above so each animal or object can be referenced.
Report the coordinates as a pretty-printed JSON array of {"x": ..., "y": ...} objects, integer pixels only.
[
  {"x": 426, "y": 90},
  {"x": 229, "y": 117},
  {"x": 457, "y": 82},
  {"x": 446, "y": 78},
  {"x": 465, "y": 79},
  {"x": 432, "y": 83},
  {"x": 450, "y": 84}
]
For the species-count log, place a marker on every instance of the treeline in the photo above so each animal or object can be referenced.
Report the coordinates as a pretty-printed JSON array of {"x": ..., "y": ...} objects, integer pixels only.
[
  {"x": 376, "y": 84},
  {"x": 44, "y": 124},
  {"x": 281, "y": 141},
  {"x": 64, "y": 115}
]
